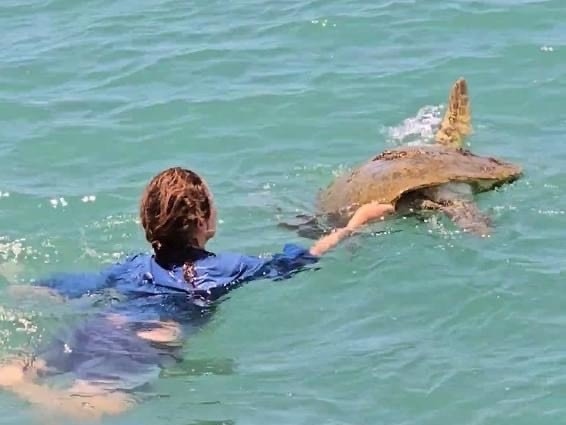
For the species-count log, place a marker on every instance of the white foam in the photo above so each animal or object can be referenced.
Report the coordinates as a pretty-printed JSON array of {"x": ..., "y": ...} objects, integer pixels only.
[
  {"x": 12, "y": 250},
  {"x": 55, "y": 202},
  {"x": 88, "y": 198},
  {"x": 416, "y": 130}
]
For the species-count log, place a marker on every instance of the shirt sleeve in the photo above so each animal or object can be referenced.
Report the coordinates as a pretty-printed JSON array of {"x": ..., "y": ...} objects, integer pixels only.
[
  {"x": 75, "y": 285},
  {"x": 283, "y": 265},
  {"x": 221, "y": 273}
]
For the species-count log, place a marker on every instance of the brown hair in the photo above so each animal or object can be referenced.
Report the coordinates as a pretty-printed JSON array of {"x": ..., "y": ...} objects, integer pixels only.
[{"x": 172, "y": 205}]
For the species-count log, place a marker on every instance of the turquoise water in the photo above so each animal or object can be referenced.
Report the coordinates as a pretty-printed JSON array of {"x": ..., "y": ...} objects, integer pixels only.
[{"x": 270, "y": 100}]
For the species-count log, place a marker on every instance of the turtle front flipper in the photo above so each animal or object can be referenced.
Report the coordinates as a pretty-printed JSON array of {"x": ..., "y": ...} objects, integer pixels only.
[
  {"x": 456, "y": 124},
  {"x": 468, "y": 217}
]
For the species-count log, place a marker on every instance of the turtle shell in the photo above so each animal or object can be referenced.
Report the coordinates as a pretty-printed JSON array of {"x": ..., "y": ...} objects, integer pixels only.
[{"x": 393, "y": 173}]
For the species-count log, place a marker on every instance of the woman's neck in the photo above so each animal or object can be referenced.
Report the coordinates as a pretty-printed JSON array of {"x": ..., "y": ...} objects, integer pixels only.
[{"x": 176, "y": 258}]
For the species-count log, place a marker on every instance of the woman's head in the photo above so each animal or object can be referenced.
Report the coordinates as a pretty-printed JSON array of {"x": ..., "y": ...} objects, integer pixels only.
[{"x": 177, "y": 214}]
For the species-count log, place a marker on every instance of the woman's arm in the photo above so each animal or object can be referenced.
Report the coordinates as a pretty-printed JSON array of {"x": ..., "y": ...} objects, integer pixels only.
[
  {"x": 363, "y": 215},
  {"x": 224, "y": 272}
]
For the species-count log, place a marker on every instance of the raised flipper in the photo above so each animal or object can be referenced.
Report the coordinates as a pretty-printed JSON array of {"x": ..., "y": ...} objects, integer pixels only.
[{"x": 456, "y": 124}]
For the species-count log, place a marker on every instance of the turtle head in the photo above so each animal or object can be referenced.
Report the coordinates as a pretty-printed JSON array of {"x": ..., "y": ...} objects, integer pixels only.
[{"x": 499, "y": 174}]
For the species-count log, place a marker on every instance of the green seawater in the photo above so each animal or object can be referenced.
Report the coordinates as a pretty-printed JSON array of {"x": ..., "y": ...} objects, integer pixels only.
[{"x": 269, "y": 100}]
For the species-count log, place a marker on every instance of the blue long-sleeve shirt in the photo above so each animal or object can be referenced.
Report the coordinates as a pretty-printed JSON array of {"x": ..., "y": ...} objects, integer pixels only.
[
  {"x": 216, "y": 274},
  {"x": 113, "y": 356}
]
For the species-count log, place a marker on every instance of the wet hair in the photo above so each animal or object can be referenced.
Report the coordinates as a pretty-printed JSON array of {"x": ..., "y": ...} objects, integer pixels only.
[{"x": 171, "y": 207}]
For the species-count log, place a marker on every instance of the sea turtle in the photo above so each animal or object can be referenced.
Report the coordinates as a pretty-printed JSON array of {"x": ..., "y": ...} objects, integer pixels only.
[{"x": 442, "y": 177}]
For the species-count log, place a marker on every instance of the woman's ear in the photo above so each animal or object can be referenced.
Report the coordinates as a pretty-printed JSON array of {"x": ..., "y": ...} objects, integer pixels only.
[{"x": 202, "y": 225}]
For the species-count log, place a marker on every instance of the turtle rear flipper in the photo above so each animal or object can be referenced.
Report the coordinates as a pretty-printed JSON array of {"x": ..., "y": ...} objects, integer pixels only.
[
  {"x": 306, "y": 226},
  {"x": 456, "y": 124}
]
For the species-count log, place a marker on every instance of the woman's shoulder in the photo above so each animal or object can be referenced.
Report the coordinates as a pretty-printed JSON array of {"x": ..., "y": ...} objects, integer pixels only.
[
  {"x": 131, "y": 264},
  {"x": 229, "y": 265}
]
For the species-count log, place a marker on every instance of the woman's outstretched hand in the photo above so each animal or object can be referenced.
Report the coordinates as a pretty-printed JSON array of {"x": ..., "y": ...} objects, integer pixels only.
[
  {"x": 363, "y": 215},
  {"x": 369, "y": 212}
]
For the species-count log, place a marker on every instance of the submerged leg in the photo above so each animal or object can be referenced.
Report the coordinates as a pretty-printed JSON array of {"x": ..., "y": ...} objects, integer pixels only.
[{"x": 81, "y": 401}]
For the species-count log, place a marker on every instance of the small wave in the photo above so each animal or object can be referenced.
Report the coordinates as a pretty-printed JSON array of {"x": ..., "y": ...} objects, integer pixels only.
[
  {"x": 10, "y": 270},
  {"x": 13, "y": 250},
  {"x": 416, "y": 130}
]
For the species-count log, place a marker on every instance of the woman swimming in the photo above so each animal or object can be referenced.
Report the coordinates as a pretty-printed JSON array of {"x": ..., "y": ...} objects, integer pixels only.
[{"x": 158, "y": 300}]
